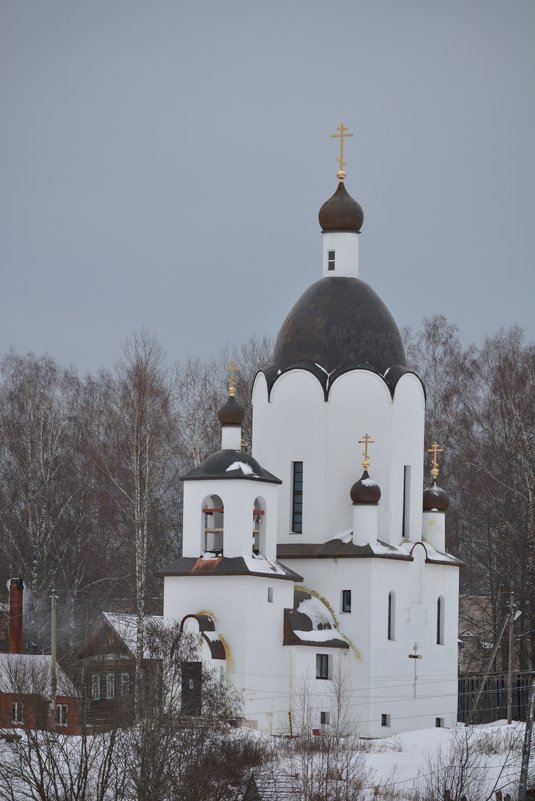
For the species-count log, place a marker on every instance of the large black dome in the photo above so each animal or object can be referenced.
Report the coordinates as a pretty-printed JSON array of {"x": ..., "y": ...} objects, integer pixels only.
[{"x": 336, "y": 324}]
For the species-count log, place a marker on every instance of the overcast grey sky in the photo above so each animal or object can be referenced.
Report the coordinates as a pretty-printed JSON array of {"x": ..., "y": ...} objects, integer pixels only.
[{"x": 163, "y": 163}]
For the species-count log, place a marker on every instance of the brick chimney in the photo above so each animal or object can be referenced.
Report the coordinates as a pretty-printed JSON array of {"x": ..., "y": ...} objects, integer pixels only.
[{"x": 14, "y": 637}]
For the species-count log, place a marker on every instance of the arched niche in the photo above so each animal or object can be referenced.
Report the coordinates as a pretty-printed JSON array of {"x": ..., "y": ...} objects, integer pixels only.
[
  {"x": 259, "y": 526},
  {"x": 212, "y": 525}
]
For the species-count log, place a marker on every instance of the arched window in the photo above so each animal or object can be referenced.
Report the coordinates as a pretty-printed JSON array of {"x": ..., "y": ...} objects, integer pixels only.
[
  {"x": 440, "y": 620},
  {"x": 391, "y": 616},
  {"x": 212, "y": 525},
  {"x": 259, "y": 526}
]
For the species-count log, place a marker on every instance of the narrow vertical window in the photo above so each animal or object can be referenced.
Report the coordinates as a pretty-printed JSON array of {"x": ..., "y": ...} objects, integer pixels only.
[
  {"x": 110, "y": 686},
  {"x": 391, "y": 625},
  {"x": 330, "y": 259},
  {"x": 17, "y": 713},
  {"x": 439, "y": 723},
  {"x": 270, "y": 595},
  {"x": 405, "y": 521},
  {"x": 125, "y": 684},
  {"x": 62, "y": 714},
  {"x": 322, "y": 666},
  {"x": 440, "y": 620},
  {"x": 95, "y": 687},
  {"x": 297, "y": 498},
  {"x": 346, "y": 600}
]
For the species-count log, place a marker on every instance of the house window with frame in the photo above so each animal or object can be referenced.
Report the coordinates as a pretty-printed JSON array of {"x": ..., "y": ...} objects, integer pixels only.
[
  {"x": 346, "y": 601},
  {"x": 95, "y": 687},
  {"x": 322, "y": 666},
  {"x": 17, "y": 712},
  {"x": 110, "y": 686},
  {"x": 125, "y": 684},
  {"x": 331, "y": 258},
  {"x": 297, "y": 497},
  {"x": 62, "y": 715}
]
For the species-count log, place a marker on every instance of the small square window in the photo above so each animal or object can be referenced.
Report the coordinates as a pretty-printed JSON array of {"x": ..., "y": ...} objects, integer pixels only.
[
  {"x": 385, "y": 720},
  {"x": 325, "y": 718},
  {"x": 439, "y": 723},
  {"x": 346, "y": 600},
  {"x": 322, "y": 666},
  {"x": 270, "y": 595}
]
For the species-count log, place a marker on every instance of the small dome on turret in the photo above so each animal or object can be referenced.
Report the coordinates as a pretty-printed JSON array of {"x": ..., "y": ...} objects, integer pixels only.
[
  {"x": 435, "y": 499},
  {"x": 365, "y": 491},
  {"x": 231, "y": 413},
  {"x": 341, "y": 213}
]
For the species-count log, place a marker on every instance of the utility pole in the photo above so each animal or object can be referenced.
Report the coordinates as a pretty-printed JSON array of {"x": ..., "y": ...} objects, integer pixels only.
[
  {"x": 522, "y": 787},
  {"x": 512, "y": 618},
  {"x": 485, "y": 677},
  {"x": 53, "y": 669}
]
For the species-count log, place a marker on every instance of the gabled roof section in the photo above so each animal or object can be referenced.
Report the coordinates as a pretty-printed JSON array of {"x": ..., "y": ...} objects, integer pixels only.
[
  {"x": 29, "y": 674},
  {"x": 124, "y": 627},
  {"x": 231, "y": 464}
]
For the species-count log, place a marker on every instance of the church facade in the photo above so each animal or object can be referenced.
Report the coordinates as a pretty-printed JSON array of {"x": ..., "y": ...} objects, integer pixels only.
[{"x": 315, "y": 569}]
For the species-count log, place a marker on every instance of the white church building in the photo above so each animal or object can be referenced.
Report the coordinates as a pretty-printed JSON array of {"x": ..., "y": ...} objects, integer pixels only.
[{"x": 315, "y": 568}]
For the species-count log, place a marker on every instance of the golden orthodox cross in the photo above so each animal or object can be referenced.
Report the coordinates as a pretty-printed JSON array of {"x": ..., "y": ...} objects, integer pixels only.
[
  {"x": 232, "y": 370},
  {"x": 366, "y": 440},
  {"x": 341, "y": 174},
  {"x": 435, "y": 449}
]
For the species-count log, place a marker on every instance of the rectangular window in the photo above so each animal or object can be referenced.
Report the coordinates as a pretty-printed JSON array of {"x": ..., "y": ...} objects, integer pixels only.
[
  {"x": 297, "y": 497},
  {"x": 110, "y": 686},
  {"x": 324, "y": 718},
  {"x": 322, "y": 666},
  {"x": 270, "y": 595},
  {"x": 330, "y": 259},
  {"x": 405, "y": 522},
  {"x": 439, "y": 723},
  {"x": 346, "y": 600},
  {"x": 385, "y": 720},
  {"x": 95, "y": 687},
  {"x": 62, "y": 714},
  {"x": 17, "y": 713},
  {"x": 125, "y": 684}
]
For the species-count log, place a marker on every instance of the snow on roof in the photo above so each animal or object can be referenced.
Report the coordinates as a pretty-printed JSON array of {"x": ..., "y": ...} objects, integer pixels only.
[
  {"x": 432, "y": 553},
  {"x": 345, "y": 536},
  {"x": 368, "y": 482},
  {"x": 324, "y": 635},
  {"x": 125, "y": 626},
  {"x": 246, "y": 469},
  {"x": 29, "y": 674},
  {"x": 317, "y": 612},
  {"x": 257, "y": 563}
]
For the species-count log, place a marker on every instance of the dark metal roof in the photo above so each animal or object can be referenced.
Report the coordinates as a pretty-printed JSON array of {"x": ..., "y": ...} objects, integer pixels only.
[
  {"x": 435, "y": 498},
  {"x": 243, "y": 466},
  {"x": 337, "y": 549},
  {"x": 227, "y": 566},
  {"x": 231, "y": 413},
  {"x": 341, "y": 213},
  {"x": 338, "y": 324},
  {"x": 365, "y": 491}
]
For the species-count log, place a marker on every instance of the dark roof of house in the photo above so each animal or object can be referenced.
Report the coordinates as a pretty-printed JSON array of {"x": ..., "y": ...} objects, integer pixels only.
[
  {"x": 339, "y": 324},
  {"x": 212, "y": 565},
  {"x": 229, "y": 463},
  {"x": 271, "y": 786}
]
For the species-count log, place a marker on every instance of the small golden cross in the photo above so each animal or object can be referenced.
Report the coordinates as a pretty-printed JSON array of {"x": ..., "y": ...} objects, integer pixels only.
[
  {"x": 366, "y": 440},
  {"x": 232, "y": 370},
  {"x": 435, "y": 449},
  {"x": 341, "y": 174}
]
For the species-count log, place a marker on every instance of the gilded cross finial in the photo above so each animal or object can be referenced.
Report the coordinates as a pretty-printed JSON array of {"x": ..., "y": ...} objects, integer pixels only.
[
  {"x": 341, "y": 174},
  {"x": 366, "y": 440},
  {"x": 232, "y": 370},
  {"x": 435, "y": 449}
]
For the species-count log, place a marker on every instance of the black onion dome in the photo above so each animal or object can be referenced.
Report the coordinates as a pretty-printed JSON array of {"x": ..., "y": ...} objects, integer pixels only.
[
  {"x": 435, "y": 499},
  {"x": 341, "y": 213},
  {"x": 229, "y": 464},
  {"x": 365, "y": 491},
  {"x": 231, "y": 413},
  {"x": 339, "y": 322}
]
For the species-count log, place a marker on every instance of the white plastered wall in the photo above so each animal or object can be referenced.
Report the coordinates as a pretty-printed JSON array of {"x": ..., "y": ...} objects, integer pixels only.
[{"x": 345, "y": 246}]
